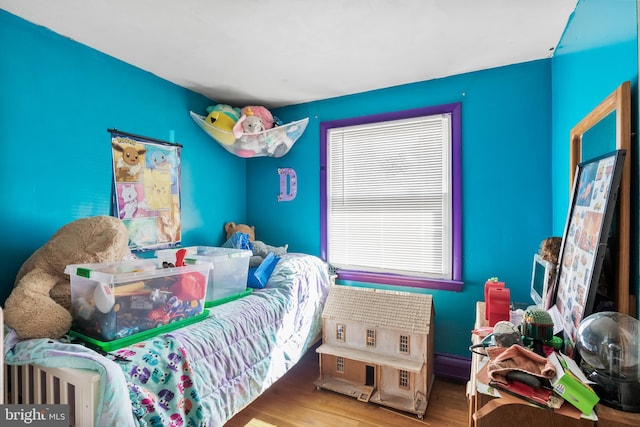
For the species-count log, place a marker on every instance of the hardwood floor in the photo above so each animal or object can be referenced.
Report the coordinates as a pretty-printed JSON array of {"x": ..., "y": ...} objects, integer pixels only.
[{"x": 294, "y": 401}]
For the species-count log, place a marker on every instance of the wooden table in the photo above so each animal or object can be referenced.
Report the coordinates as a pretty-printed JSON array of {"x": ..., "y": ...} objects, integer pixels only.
[{"x": 495, "y": 410}]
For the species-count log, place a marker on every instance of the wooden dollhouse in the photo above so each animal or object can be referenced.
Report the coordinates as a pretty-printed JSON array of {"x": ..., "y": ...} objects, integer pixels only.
[{"x": 377, "y": 346}]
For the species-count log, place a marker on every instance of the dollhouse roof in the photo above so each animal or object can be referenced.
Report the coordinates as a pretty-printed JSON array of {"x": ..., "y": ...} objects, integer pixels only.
[{"x": 395, "y": 310}]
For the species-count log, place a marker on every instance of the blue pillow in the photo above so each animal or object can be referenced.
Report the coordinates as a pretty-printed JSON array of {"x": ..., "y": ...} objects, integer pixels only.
[{"x": 259, "y": 276}]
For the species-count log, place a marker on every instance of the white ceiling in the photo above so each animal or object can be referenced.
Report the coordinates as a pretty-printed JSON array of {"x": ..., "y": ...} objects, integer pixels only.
[{"x": 283, "y": 52}]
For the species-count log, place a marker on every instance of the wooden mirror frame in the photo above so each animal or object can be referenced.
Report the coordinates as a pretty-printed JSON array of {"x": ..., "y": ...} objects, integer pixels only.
[{"x": 619, "y": 102}]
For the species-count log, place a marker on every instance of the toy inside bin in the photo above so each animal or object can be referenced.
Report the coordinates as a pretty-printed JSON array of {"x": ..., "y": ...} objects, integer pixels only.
[
  {"x": 114, "y": 300},
  {"x": 230, "y": 268}
]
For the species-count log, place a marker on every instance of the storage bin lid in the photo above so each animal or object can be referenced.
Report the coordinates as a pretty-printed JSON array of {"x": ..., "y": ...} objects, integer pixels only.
[
  {"x": 128, "y": 271},
  {"x": 213, "y": 253}
]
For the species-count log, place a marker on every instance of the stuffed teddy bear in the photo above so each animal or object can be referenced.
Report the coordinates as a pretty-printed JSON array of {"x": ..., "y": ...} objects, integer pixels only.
[
  {"x": 550, "y": 249},
  {"x": 39, "y": 304},
  {"x": 253, "y": 119},
  {"x": 259, "y": 248},
  {"x": 232, "y": 228}
]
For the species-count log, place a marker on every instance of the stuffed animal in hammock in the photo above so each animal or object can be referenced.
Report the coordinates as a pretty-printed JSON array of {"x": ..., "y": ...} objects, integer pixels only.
[{"x": 253, "y": 119}]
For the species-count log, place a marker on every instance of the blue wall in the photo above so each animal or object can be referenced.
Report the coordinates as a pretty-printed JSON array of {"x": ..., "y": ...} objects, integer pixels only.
[
  {"x": 515, "y": 155},
  {"x": 598, "y": 51},
  {"x": 506, "y": 153},
  {"x": 57, "y": 99}
]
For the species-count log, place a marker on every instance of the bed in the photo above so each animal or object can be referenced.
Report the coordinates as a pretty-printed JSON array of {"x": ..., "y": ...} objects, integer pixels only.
[{"x": 201, "y": 374}]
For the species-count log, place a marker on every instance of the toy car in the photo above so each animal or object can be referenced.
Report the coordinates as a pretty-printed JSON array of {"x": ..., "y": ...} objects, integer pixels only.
[{"x": 173, "y": 310}]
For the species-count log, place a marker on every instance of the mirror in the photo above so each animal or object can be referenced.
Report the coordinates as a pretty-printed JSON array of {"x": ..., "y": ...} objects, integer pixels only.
[{"x": 605, "y": 129}]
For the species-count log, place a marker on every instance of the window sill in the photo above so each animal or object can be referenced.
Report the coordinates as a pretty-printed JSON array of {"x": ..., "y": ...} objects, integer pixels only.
[{"x": 397, "y": 280}]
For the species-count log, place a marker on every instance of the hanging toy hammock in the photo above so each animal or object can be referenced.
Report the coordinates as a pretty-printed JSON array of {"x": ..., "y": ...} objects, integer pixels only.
[{"x": 274, "y": 142}]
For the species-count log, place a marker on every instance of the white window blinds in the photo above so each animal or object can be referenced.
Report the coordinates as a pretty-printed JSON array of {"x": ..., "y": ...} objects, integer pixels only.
[{"x": 389, "y": 197}]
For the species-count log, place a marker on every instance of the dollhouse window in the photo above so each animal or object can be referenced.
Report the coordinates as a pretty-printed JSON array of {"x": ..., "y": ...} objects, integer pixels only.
[
  {"x": 391, "y": 191},
  {"x": 404, "y": 379},
  {"x": 340, "y": 332},
  {"x": 404, "y": 344},
  {"x": 339, "y": 364},
  {"x": 371, "y": 338}
]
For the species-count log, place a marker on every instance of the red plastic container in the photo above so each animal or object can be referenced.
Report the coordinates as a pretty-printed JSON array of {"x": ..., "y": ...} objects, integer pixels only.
[{"x": 498, "y": 305}]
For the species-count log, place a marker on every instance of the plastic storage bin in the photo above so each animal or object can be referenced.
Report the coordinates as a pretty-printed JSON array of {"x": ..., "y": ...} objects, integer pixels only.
[
  {"x": 230, "y": 269},
  {"x": 114, "y": 300}
]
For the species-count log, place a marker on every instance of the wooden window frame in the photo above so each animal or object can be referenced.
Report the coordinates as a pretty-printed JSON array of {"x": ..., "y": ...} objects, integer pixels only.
[
  {"x": 341, "y": 332},
  {"x": 371, "y": 338},
  {"x": 404, "y": 379},
  {"x": 406, "y": 345}
]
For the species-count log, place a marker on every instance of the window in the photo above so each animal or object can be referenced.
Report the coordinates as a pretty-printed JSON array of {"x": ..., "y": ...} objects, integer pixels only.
[
  {"x": 391, "y": 198},
  {"x": 371, "y": 338},
  {"x": 339, "y": 364},
  {"x": 340, "y": 332},
  {"x": 404, "y": 344},
  {"x": 404, "y": 379}
]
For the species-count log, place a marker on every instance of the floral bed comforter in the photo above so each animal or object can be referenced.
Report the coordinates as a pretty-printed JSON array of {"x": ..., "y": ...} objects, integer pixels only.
[{"x": 204, "y": 373}]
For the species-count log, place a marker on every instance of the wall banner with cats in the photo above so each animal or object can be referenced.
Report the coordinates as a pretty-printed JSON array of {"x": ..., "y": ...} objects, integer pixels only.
[{"x": 146, "y": 177}]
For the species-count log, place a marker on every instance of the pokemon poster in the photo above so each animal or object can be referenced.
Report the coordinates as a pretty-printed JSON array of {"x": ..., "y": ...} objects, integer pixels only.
[{"x": 146, "y": 174}]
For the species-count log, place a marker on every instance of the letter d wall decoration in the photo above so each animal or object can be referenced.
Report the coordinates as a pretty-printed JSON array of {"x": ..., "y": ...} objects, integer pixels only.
[{"x": 288, "y": 184}]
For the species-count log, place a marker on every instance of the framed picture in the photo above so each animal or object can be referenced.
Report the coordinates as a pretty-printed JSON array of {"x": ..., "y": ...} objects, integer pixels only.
[
  {"x": 146, "y": 182},
  {"x": 593, "y": 201}
]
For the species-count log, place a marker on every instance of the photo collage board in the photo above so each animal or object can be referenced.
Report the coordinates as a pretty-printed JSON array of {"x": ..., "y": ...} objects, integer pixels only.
[{"x": 584, "y": 242}]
